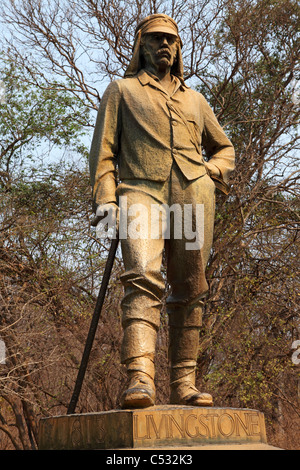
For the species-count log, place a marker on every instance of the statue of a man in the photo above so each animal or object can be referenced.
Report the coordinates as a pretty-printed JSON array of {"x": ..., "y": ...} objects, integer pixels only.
[{"x": 152, "y": 127}]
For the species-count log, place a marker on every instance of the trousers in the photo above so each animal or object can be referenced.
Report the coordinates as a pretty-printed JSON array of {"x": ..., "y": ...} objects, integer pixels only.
[{"x": 174, "y": 219}]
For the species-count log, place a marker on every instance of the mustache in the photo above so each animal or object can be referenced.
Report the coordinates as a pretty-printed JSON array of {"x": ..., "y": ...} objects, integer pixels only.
[{"x": 164, "y": 50}]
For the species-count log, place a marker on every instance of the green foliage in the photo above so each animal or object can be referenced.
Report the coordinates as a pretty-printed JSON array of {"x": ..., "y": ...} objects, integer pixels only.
[{"x": 33, "y": 116}]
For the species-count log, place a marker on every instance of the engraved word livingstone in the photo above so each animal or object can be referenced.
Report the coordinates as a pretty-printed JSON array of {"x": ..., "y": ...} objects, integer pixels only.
[{"x": 197, "y": 425}]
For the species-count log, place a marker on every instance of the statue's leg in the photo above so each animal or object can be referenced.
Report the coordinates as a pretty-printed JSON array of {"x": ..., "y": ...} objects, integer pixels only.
[
  {"x": 141, "y": 307},
  {"x": 186, "y": 275}
]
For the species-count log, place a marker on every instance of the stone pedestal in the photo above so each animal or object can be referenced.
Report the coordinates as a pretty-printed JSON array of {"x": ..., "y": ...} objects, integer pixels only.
[{"x": 154, "y": 427}]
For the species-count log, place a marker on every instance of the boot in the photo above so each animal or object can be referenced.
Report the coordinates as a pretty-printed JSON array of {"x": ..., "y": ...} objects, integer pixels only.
[
  {"x": 183, "y": 389},
  {"x": 140, "y": 392},
  {"x": 184, "y": 343},
  {"x": 138, "y": 352}
]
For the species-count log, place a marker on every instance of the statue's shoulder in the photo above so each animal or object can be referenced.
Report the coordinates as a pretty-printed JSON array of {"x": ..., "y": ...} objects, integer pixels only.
[
  {"x": 198, "y": 97},
  {"x": 122, "y": 84},
  {"x": 196, "y": 94},
  {"x": 129, "y": 82},
  {"x": 114, "y": 85}
]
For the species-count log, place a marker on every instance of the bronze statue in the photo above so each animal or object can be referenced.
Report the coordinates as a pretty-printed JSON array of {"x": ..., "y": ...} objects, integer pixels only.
[{"x": 152, "y": 127}]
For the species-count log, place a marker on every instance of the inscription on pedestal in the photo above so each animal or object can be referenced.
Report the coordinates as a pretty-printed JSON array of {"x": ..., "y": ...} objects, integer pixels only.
[
  {"x": 152, "y": 427},
  {"x": 199, "y": 425}
]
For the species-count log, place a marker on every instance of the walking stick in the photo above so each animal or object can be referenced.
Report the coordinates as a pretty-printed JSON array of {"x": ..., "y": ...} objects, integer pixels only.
[{"x": 94, "y": 324}]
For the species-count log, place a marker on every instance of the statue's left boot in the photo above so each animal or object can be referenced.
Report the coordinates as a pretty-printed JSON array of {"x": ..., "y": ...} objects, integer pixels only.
[{"x": 184, "y": 344}]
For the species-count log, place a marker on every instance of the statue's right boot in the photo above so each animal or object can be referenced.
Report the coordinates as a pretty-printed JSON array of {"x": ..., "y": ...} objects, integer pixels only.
[
  {"x": 138, "y": 350},
  {"x": 183, "y": 352}
]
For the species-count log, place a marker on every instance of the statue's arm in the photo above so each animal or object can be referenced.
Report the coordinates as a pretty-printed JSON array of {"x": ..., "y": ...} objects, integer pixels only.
[
  {"x": 104, "y": 148},
  {"x": 219, "y": 149}
]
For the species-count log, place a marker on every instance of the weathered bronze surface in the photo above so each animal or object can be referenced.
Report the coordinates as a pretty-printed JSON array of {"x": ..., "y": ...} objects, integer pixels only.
[
  {"x": 158, "y": 426},
  {"x": 151, "y": 127}
]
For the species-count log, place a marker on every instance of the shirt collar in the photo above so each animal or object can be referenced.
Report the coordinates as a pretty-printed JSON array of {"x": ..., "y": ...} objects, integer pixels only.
[{"x": 147, "y": 78}]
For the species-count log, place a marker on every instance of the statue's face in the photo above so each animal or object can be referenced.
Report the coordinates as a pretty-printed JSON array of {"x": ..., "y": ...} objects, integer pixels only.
[{"x": 159, "y": 50}]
